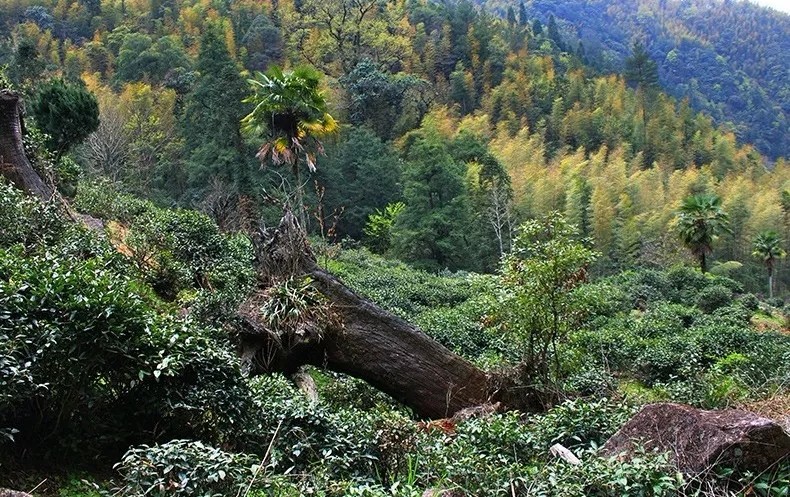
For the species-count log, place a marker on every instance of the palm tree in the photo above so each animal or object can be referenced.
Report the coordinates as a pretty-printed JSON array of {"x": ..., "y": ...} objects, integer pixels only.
[
  {"x": 768, "y": 248},
  {"x": 291, "y": 115},
  {"x": 700, "y": 221}
]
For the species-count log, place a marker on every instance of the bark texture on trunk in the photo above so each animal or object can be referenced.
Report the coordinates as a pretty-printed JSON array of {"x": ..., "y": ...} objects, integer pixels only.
[
  {"x": 365, "y": 341},
  {"x": 398, "y": 358},
  {"x": 14, "y": 164}
]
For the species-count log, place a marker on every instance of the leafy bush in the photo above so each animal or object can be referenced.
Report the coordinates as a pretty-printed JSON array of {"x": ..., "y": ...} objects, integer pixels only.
[
  {"x": 595, "y": 382},
  {"x": 342, "y": 441},
  {"x": 104, "y": 200},
  {"x": 580, "y": 423},
  {"x": 399, "y": 288},
  {"x": 647, "y": 475},
  {"x": 86, "y": 359},
  {"x": 26, "y": 221},
  {"x": 184, "y": 467},
  {"x": 677, "y": 350},
  {"x": 749, "y": 302},
  {"x": 79, "y": 339},
  {"x": 714, "y": 297}
]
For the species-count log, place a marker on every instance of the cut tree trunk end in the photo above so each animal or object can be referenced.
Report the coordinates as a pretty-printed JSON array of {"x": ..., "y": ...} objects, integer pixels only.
[
  {"x": 14, "y": 164},
  {"x": 364, "y": 341}
]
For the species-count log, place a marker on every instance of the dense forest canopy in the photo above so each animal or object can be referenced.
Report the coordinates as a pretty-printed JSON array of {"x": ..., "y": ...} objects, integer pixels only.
[
  {"x": 729, "y": 58},
  {"x": 459, "y": 113}
]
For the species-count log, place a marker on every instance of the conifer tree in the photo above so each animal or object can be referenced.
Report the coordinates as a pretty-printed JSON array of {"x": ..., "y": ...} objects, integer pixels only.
[
  {"x": 431, "y": 232},
  {"x": 522, "y": 14},
  {"x": 213, "y": 109}
]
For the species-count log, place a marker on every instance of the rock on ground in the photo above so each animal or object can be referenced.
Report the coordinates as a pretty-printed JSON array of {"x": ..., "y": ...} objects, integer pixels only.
[{"x": 699, "y": 439}]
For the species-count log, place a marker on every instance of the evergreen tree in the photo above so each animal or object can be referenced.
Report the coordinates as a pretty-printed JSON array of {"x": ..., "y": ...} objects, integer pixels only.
[
  {"x": 511, "y": 16},
  {"x": 523, "y": 18},
  {"x": 431, "y": 232},
  {"x": 537, "y": 27},
  {"x": 553, "y": 33},
  {"x": 361, "y": 174},
  {"x": 640, "y": 70},
  {"x": 212, "y": 111},
  {"x": 66, "y": 112}
]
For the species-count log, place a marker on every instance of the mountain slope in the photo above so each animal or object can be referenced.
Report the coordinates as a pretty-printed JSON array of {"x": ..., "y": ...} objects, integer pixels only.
[{"x": 731, "y": 59}]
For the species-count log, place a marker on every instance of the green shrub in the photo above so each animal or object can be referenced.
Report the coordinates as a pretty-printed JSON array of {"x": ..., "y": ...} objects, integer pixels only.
[
  {"x": 342, "y": 441},
  {"x": 580, "y": 423},
  {"x": 104, "y": 200},
  {"x": 595, "y": 382},
  {"x": 713, "y": 297},
  {"x": 686, "y": 282},
  {"x": 664, "y": 320},
  {"x": 184, "y": 467},
  {"x": 78, "y": 338},
  {"x": 647, "y": 475},
  {"x": 397, "y": 287},
  {"x": 27, "y": 221},
  {"x": 749, "y": 302},
  {"x": 645, "y": 287}
]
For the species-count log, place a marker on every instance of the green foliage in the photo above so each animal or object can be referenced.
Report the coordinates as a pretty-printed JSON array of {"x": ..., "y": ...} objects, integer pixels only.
[
  {"x": 342, "y": 441},
  {"x": 399, "y": 288},
  {"x": 378, "y": 229},
  {"x": 290, "y": 115},
  {"x": 26, "y": 221},
  {"x": 184, "y": 467},
  {"x": 389, "y": 104},
  {"x": 768, "y": 248},
  {"x": 66, "y": 112},
  {"x": 104, "y": 200},
  {"x": 142, "y": 59},
  {"x": 362, "y": 175},
  {"x": 290, "y": 112},
  {"x": 210, "y": 120},
  {"x": 705, "y": 358},
  {"x": 714, "y": 297},
  {"x": 648, "y": 474},
  {"x": 179, "y": 253},
  {"x": 538, "y": 306},
  {"x": 640, "y": 70},
  {"x": 700, "y": 221},
  {"x": 433, "y": 231},
  {"x": 89, "y": 365}
]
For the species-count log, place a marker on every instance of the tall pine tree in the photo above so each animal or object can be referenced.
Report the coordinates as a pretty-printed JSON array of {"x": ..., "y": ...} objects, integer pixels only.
[{"x": 213, "y": 109}]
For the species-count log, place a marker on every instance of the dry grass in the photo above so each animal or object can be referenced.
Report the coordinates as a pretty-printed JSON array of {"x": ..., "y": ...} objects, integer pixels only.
[{"x": 776, "y": 407}]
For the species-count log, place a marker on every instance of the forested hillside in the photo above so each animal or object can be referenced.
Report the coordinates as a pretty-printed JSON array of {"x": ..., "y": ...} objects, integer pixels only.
[
  {"x": 497, "y": 117},
  {"x": 729, "y": 58},
  {"x": 249, "y": 247}
]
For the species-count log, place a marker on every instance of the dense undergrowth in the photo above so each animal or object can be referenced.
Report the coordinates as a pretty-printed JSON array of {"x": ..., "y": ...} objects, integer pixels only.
[{"x": 117, "y": 368}]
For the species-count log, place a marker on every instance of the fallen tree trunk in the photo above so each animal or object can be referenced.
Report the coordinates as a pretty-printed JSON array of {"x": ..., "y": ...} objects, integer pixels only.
[
  {"x": 361, "y": 339},
  {"x": 14, "y": 164}
]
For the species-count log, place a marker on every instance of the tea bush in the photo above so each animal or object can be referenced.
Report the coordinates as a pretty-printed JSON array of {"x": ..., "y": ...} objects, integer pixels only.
[
  {"x": 89, "y": 361},
  {"x": 184, "y": 467}
]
